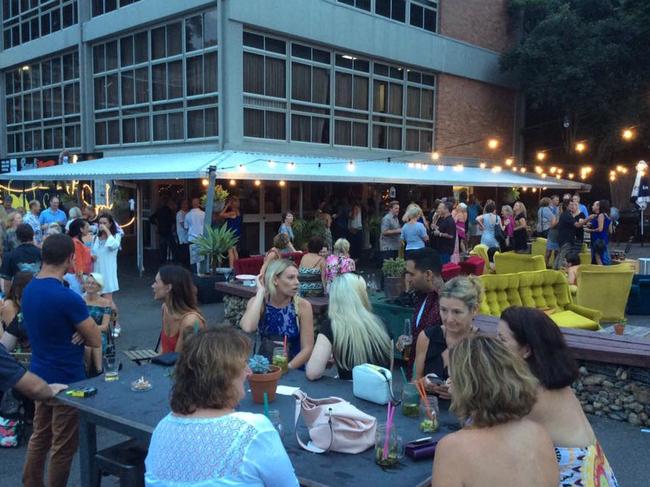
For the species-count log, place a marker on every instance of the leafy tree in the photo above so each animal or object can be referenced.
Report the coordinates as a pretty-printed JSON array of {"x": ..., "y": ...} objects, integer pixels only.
[{"x": 586, "y": 62}]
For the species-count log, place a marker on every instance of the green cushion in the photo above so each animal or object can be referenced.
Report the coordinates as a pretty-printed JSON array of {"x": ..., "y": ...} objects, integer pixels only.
[{"x": 569, "y": 319}]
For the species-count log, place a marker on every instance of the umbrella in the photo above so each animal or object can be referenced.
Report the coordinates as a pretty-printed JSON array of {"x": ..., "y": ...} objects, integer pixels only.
[{"x": 641, "y": 190}]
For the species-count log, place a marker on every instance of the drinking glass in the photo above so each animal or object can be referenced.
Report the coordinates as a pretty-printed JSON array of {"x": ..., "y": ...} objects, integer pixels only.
[
  {"x": 280, "y": 359},
  {"x": 395, "y": 446},
  {"x": 429, "y": 411},
  {"x": 410, "y": 401},
  {"x": 274, "y": 417},
  {"x": 111, "y": 368}
]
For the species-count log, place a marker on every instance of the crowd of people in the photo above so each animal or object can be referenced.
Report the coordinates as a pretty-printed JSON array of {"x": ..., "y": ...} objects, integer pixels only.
[{"x": 511, "y": 393}]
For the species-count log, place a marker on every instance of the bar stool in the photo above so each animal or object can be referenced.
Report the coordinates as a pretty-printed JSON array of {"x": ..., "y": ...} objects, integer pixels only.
[{"x": 125, "y": 461}]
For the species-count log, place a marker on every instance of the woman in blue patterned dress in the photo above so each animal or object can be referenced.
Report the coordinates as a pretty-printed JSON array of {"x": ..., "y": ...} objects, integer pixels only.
[
  {"x": 600, "y": 224},
  {"x": 100, "y": 310},
  {"x": 276, "y": 312}
]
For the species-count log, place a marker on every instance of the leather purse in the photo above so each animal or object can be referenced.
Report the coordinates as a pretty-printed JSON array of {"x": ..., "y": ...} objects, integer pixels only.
[
  {"x": 372, "y": 383},
  {"x": 334, "y": 424}
]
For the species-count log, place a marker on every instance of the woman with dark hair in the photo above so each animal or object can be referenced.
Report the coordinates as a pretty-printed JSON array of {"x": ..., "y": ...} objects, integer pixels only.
[
  {"x": 83, "y": 258},
  {"x": 311, "y": 272},
  {"x": 536, "y": 338},
  {"x": 600, "y": 224},
  {"x": 105, "y": 246},
  {"x": 234, "y": 221},
  {"x": 180, "y": 312},
  {"x": 11, "y": 314},
  {"x": 492, "y": 393},
  {"x": 204, "y": 441},
  {"x": 286, "y": 226}
]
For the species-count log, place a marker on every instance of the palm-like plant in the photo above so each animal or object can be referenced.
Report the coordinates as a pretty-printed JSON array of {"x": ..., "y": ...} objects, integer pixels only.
[{"x": 214, "y": 244}]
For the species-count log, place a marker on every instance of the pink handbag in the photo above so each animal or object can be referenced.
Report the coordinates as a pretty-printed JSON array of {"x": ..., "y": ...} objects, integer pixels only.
[{"x": 334, "y": 424}]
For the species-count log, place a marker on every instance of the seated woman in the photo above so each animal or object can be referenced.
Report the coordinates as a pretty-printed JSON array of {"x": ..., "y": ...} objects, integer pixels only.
[
  {"x": 180, "y": 312},
  {"x": 277, "y": 313},
  {"x": 281, "y": 246},
  {"x": 11, "y": 316},
  {"x": 311, "y": 272},
  {"x": 493, "y": 391},
  {"x": 204, "y": 441},
  {"x": 573, "y": 263},
  {"x": 352, "y": 333},
  {"x": 339, "y": 262},
  {"x": 535, "y": 337},
  {"x": 100, "y": 310},
  {"x": 459, "y": 301}
]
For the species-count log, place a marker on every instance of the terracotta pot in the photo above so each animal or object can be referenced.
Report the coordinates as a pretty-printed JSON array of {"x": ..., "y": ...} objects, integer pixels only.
[
  {"x": 619, "y": 328},
  {"x": 393, "y": 287},
  {"x": 261, "y": 383}
]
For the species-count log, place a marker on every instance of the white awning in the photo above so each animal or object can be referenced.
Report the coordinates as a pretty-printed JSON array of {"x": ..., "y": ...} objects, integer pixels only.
[{"x": 277, "y": 167}]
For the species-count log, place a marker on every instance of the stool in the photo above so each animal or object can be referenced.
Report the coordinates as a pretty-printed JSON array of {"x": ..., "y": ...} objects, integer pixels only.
[{"x": 125, "y": 461}]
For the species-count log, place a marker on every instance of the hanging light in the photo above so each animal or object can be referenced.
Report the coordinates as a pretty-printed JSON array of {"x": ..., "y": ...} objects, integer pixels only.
[
  {"x": 350, "y": 165},
  {"x": 258, "y": 182},
  {"x": 458, "y": 167},
  {"x": 233, "y": 182},
  {"x": 435, "y": 155},
  {"x": 522, "y": 169},
  {"x": 482, "y": 165},
  {"x": 628, "y": 134},
  {"x": 581, "y": 147},
  {"x": 272, "y": 164},
  {"x": 543, "y": 175},
  {"x": 539, "y": 170},
  {"x": 205, "y": 182},
  {"x": 571, "y": 175},
  {"x": 552, "y": 170},
  {"x": 441, "y": 167},
  {"x": 534, "y": 190},
  {"x": 496, "y": 169},
  {"x": 493, "y": 143},
  {"x": 291, "y": 166},
  {"x": 282, "y": 184},
  {"x": 524, "y": 189},
  {"x": 560, "y": 170},
  {"x": 509, "y": 161},
  {"x": 541, "y": 155},
  {"x": 557, "y": 176}
]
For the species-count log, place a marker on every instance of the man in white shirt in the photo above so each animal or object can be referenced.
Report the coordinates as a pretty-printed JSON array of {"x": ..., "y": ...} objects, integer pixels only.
[
  {"x": 181, "y": 232},
  {"x": 193, "y": 222}
]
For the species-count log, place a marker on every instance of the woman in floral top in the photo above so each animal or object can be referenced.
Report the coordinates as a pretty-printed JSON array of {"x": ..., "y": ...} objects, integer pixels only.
[{"x": 339, "y": 262}]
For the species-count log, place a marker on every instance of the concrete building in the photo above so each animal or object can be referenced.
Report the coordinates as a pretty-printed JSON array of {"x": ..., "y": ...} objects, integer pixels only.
[{"x": 351, "y": 79}]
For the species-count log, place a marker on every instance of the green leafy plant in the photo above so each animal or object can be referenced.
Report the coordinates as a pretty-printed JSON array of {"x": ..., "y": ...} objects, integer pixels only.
[
  {"x": 215, "y": 243},
  {"x": 303, "y": 230},
  {"x": 220, "y": 195},
  {"x": 259, "y": 364},
  {"x": 394, "y": 267},
  {"x": 374, "y": 226}
]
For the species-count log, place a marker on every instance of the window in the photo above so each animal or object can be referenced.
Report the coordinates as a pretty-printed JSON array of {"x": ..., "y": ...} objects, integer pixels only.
[
  {"x": 361, "y": 102},
  {"x": 423, "y": 14},
  {"x": 42, "y": 105},
  {"x": 418, "y": 13},
  {"x": 170, "y": 94},
  {"x": 393, "y": 9},
  {"x": 24, "y": 21},
  {"x": 362, "y": 4},
  {"x": 101, "y": 7}
]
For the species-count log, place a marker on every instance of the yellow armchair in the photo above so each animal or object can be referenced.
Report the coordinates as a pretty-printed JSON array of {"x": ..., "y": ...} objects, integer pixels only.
[
  {"x": 538, "y": 247},
  {"x": 509, "y": 262},
  {"x": 543, "y": 289},
  {"x": 481, "y": 251},
  {"x": 605, "y": 288}
]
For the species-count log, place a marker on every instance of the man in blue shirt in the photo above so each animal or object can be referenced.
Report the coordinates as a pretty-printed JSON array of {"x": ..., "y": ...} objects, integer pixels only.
[
  {"x": 14, "y": 376},
  {"x": 52, "y": 215},
  {"x": 58, "y": 325},
  {"x": 583, "y": 209}
]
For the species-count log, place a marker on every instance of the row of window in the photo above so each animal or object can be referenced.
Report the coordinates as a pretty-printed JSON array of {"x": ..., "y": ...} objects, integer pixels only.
[
  {"x": 418, "y": 13},
  {"x": 295, "y": 92},
  {"x": 26, "y": 20},
  {"x": 101, "y": 7}
]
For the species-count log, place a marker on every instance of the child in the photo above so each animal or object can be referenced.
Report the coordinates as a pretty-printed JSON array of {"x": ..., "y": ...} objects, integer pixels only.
[{"x": 100, "y": 310}]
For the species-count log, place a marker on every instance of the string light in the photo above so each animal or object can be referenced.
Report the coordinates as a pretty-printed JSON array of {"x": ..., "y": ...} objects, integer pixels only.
[
  {"x": 557, "y": 176},
  {"x": 205, "y": 183},
  {"x": 410, "y": 165},
  {"x": 282, "y": 184},
  {"x": 541, "y": 155},
  {"x": 272, "y": 164},
  {"x": 435, "y": 155},
  {"x": 258, "y": 182},
  {"x": 581, "y": 147},
  {"x": 496, "y": 169},
  {"x": 493, "y": 144},
  {"x": 291, "y": 166},
  {"x": 543, "y": 175},
  {"x": 509, "y": 161},
  {"x": 571, "y": 175},
  {"x": 628, "y": 134},
  {"x": 522, "y": 170},
  {"x": 233, "y": 182},
  {"x": 553, "y": 170},
  {"x": 351, "y": 166},
  {"x": 482, "y": 165},
  {"x": 524, "y": 189},
  {"x": 242, "y": 168},
  {"x": 441, "y": 167},
  {"x": 458, "y": 167},
  {"x": 534, "y": 190},
  {"x": 539, "y": 170}
]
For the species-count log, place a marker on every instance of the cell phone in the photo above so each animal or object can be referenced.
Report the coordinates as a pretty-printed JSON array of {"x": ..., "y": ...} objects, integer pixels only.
[
  {"x": 434, "y": 379},
  {"x": 81, "y": 392},
  {"x": 421, "y": 441}
]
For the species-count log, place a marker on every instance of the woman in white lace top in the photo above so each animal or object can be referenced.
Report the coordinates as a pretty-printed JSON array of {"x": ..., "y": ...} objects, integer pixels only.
[{"x": 204, "y": 442}]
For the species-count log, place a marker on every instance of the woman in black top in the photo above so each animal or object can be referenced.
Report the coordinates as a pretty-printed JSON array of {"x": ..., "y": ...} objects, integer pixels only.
[
  {"x": 459, "y": 302},
  {"x": 520, "y": 234},
  {"x": 352, "y": 334},
  {"x": 11, "y": 315}
]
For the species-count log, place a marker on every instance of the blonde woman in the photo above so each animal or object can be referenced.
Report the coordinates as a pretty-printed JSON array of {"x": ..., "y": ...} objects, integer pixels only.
[
  {"x": 519, "y": 240},
  {"x": 507, "y": 225},
  {"x": 460, "y": 217},
  {"x": 339, "y": 262},
  {"x": 414, "y": 233},
  {"x": 11, "y": 224},
  {"x": 100, "y": 310},
  {"x": 493, "y": 391},
  {"x": 281, "y": 245},
  {"x": 352, "y": 334},
  {"x": 459, "y": 301},
  {"x": 276, "y": 312}
]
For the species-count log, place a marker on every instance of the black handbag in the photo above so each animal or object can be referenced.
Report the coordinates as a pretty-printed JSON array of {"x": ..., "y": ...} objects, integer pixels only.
[
  {"x": 167, "y": 359},
  {"x": 499, "y": 234},
  {"x": 11, "y": 405}
]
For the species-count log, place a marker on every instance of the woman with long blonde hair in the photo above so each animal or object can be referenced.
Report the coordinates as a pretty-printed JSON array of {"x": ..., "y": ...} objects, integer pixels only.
[
  {"x": 492, "y": 392},
  {"x": 278, "y": 314},
  {"x": 353, "y": 334}
]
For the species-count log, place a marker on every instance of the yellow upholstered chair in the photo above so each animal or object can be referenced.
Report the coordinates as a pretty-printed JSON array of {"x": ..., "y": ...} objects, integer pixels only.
[
  {"x": 605, "y": 288},
  {"x": 544, "y": 289},
  {"x": 481, "y": 251},
  {"x": 509, "y": 262},
  {"x": 538, "y": 247}
]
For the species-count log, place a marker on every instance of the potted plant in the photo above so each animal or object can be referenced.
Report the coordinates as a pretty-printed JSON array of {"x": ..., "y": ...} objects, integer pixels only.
[
  {"x": 619, "y": 328},
  {"x": 220, "y": 197},
  {"x": 303, "y": 230},
  {"x": 214, "y": 245},
  {"x": 394, "y": 270},
  {"x": 263, "y": 379}
]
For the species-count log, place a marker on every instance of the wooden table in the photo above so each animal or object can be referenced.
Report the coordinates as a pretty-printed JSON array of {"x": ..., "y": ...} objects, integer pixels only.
[{"x": 135, "y": 414}]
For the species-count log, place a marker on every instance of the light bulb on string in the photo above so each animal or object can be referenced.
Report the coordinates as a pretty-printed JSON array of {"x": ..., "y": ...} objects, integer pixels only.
[
  {"x": 541, "y": 155},
  {"x": 351, "y": 166},
  {"x": 282, "y": 184},
  {"x": 496, "y": 169},
  {"x": 552, "y": 170},
  {"x": 557, "y": 176},
  {"x": 522, "y": 169},
  {"x": 482, "y": 165},
  {"x": 509, "y": 161},
  {"x": 581, "y": 147},
  {"x": 539, "y": 170},
  {"x": 435, "y": 156},
  {"x": 233, "y": 182},
  {"x": 628, "y": 134},
  {"x": 205, "y": 183},
  {"x": 493, "y": 143},
  {"x": 543, "y": 175},
  {"x": 441, "y": 167},
  {"x": 571, "y": 175},
  {"x": 258, "y": 182},
  {"x": 458, "y": 167},
  {"x": 291, "y": 166},
  {"x": 272, "y": 164}
]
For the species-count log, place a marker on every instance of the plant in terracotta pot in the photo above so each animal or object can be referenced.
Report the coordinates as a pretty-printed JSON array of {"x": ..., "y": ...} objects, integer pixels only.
[
  {"x": 619, "y": 328},
  {"x": 263, "y": 379},
  {"x": 394, "y": 270}
]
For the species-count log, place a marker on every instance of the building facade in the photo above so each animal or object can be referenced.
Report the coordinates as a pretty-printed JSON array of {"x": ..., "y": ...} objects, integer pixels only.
[{"x": 357, "y": 79}]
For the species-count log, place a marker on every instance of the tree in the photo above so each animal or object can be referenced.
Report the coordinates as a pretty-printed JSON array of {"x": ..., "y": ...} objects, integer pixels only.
[{"x": 585, "y": 62}]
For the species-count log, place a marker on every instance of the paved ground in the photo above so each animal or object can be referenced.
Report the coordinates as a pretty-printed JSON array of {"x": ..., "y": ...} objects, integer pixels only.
[{"x": 625, "y": 445}]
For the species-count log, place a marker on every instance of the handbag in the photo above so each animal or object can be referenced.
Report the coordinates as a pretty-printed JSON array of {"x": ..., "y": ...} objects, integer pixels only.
[
  {"x": 499, "y": 234},
  {"x": 334, "y": 424},
  {"x": 372, "y": 383}
]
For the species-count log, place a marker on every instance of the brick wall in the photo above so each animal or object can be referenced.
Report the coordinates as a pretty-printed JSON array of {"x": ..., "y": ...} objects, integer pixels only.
[
  {"x": 485, "y": 23},
  {"x": 468, "y": 110}
]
